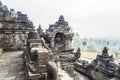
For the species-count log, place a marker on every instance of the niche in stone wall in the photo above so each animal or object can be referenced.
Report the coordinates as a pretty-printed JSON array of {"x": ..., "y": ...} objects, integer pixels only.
[{"x": 60, "y": 41}]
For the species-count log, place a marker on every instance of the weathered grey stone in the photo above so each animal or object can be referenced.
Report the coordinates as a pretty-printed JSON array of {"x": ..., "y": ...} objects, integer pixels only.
[
  {"x": 36, "y": 57},
  {"x": 8, "y": 66},
  {"x": 11, "y": 23},
  {"x": 78, "y": 53},
  {"x": 52, "y": 71},
  {"x": 60, "y": 36}
]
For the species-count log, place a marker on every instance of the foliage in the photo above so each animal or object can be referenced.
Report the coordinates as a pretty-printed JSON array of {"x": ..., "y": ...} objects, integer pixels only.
[
  {"x": 117, "y": 53},
  {"x": 96, "y": 44},
  {"x": 92, "y": 49},
  {"x": 84, "y": 43},
  {"x": 76, "y": 41}
]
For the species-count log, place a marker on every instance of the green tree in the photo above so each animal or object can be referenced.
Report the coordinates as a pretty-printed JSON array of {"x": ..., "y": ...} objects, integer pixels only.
[
  {"x": 76, "y": 41},
  {"x": 117, "y": 53},
  {"x": 84, "y": 43}
]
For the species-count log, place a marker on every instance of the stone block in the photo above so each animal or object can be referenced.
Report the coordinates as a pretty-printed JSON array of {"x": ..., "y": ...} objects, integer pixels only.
[{"x": 1, "y": 51}]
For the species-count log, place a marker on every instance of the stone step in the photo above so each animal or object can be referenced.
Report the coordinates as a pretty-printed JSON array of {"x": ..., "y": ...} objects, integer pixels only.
[{"x": 12, "y": 66}]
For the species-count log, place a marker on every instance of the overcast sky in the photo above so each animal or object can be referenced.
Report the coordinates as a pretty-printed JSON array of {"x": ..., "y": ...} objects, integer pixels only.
[{"x": 87, "y": 17}]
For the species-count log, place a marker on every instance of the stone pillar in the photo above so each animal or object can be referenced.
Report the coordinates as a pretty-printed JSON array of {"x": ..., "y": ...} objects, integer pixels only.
[
  {"x": 67, "y": 44},
  {"x": 52, "y": 43}
]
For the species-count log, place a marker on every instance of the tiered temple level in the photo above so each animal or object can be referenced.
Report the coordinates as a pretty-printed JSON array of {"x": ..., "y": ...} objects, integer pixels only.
[
  {"x": 14, "y": 27},
  {"x": 103, "y": 66},
  {"x": 9, "y": 19}
]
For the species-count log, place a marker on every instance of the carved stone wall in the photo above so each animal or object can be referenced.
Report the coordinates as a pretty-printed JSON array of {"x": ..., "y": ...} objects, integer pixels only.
[
  {"x": 13, "y": 28},
  {"x": 12, "y": 41}
]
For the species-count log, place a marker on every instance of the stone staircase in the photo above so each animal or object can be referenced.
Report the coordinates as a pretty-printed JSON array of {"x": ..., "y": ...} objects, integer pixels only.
[{"x": 12, "y": 66}]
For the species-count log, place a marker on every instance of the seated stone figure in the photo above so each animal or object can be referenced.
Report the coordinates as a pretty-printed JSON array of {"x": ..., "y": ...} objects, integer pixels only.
[{"x": 105, "y": 52}]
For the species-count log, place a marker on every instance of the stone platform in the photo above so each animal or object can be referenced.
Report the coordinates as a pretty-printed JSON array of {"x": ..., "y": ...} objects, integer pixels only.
[{"x": 12, "y": 66}]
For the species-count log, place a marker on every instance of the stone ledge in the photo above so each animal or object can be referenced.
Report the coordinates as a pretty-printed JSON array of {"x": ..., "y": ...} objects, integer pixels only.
[{"x": 1, "y": 51}]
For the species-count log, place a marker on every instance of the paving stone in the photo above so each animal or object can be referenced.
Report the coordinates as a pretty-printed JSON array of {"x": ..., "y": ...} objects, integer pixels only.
[
  {"x": 3, "y": 75},
  {"x": 2, "y": 78},
  {"x": 10, "y": 78},
  {"x": 20, "y": 77},
  {"x": 21, "y": 73},
  {"x": 12, "y": 66}
]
